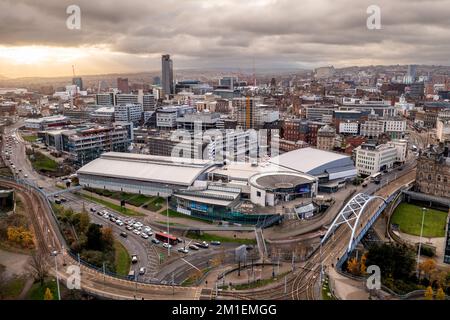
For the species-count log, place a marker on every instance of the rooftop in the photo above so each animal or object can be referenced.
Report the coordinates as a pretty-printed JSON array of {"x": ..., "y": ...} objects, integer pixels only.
[{"x": 149, "y": 168}]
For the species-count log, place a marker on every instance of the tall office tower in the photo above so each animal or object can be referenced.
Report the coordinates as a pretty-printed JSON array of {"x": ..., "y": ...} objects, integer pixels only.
[
  {"x": 122, "y": 85},
  {"x": 78, "y": 82},
  {"x": 247, "y": 115},
  {"x": 411, "y": 74},
  {"x": 167, "y": 75}
]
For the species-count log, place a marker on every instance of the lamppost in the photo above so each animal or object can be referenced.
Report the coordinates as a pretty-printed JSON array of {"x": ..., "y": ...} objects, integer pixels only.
[
  {"x": 55, "y": 253},
  {"x": 420, "y": 241}
]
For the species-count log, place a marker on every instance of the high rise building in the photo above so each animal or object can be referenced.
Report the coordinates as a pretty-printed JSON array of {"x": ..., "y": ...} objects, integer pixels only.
[
  {"x": 122, "y": 85},
  {"x": 167, "y": 75},
  {"x": 78, "y": 81},
  {"x": 246, "y": 112}
]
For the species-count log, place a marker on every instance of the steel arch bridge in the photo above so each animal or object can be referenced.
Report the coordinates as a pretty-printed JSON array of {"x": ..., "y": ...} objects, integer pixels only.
[{"x": 351, "y": 214}]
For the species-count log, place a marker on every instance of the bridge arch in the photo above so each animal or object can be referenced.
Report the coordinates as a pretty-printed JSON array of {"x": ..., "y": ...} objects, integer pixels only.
[{"x": 350, "y": 215}]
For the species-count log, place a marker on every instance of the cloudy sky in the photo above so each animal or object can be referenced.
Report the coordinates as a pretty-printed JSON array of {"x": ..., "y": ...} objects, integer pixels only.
[{"x": 131, "y": 35}]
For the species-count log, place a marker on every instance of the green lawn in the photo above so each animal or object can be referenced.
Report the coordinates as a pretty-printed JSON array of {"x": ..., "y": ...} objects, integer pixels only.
[
  {"x": 14, "y": 287},
  {"x": 122, "y": 259},
  {"x": 156, "y": 204},
  {"x": 30, "y": 138},
  {"x": 175, "y": 214},
  {"x": 136, "y": 200},
  {"x": 258, "y": 283},
  {"x": 125, "y": 211},
  {"x": 37, "y": 292},
  {"x": 43, "y": 163},
  {"x": 211, "y": 237},
  {"x": 409, "y": 219}
]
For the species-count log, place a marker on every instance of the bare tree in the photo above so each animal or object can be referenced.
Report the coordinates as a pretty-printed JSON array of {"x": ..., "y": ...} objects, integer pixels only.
[{"x": 39, "y": 267}]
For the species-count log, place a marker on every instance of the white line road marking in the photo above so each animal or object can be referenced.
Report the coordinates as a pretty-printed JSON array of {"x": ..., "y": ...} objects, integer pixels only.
[{"x": 191, "y": 264}]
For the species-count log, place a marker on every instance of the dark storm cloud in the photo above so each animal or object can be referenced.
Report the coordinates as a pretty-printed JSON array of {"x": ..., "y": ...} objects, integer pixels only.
[{"x": 213, "y": 32}]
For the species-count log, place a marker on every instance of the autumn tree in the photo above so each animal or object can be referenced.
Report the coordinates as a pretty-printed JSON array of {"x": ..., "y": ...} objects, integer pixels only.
[
  {"x": 429, "y": 293},
  {"x": 440, "y": 294},
  {"x": 363, "y": 267},
  {"x": 107, "y": 237},
  {"x": 427, "y": 267},
  {"x": 20, "y": 236},
  {"x": 353, "y": 266},
  {"x": 48, "y": 294}
]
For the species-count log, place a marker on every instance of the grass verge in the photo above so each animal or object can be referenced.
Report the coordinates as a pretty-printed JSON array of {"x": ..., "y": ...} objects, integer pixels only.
[
  {"x": 258, "y": 283},
  {"x": 124, "y": 211},
  {"x": 211, "y": 237},
  {"x": 122, "y": 259},
  {"x": 37, "y": 291}
]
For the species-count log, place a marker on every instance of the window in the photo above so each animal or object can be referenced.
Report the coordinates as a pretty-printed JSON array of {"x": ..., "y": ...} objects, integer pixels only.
[{"x": 258, "y": 193}]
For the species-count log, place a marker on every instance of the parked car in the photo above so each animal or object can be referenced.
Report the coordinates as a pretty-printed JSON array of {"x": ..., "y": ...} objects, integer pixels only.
[
  {"x": 137, "y": 232},
  {"x": 155, "y": 241},
  {"x": 166, "y": 245},
  {"x": 129, "y": 228},
  {"x": 144, "y": 235},
  {"x": 215, "y": 243},
  {"x": 183, "y": 250},
  {"x": 202, "y": 244},
  {"x": 93, "y": 210},
  {"x": 124, "y": 234},
  {"x": 142, "y": 270},
  {"x": 134, "y": 258},
  {"x": 193, "y": 247},
  {"x": 147, "y": 229},
  {"x": 57, "y": 201}
]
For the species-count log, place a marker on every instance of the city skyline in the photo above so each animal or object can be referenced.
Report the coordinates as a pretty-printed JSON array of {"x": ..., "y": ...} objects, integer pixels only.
[{"x": 118, "y": 37}]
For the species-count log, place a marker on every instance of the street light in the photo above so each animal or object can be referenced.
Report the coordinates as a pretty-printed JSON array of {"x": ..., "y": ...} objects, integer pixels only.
[
  {"x": 420, "y": 241},
  {"x": 55, "y": 253}
]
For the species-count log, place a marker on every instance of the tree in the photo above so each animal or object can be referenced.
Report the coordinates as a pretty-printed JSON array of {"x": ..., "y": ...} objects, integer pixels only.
[
  {"x": 48, "y": 294},
  {"x": 353, "y": 266},
  {"x": 363, "y": 266},
  {"x": 427, "y": 267},
  {"x": 429, "y": 293},
  {"x": 83, "y": 222},
  {"x": 94, "y": 237},
  {"x": 440, "y": 295},
  {"x": 38, "y": 267},
  {"x": 107, "y": 238}
]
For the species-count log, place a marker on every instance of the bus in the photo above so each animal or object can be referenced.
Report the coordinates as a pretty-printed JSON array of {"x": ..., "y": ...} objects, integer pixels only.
[
  {"x": 164, "y": 237},
  {"x": 376, "y": 178}
]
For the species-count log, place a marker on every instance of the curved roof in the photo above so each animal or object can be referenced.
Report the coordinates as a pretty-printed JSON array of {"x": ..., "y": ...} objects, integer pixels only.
[
  {"x": 148, "y": 168},
  {"x": 312, "y": 161},
  {"x": 279, "y": 180}
]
